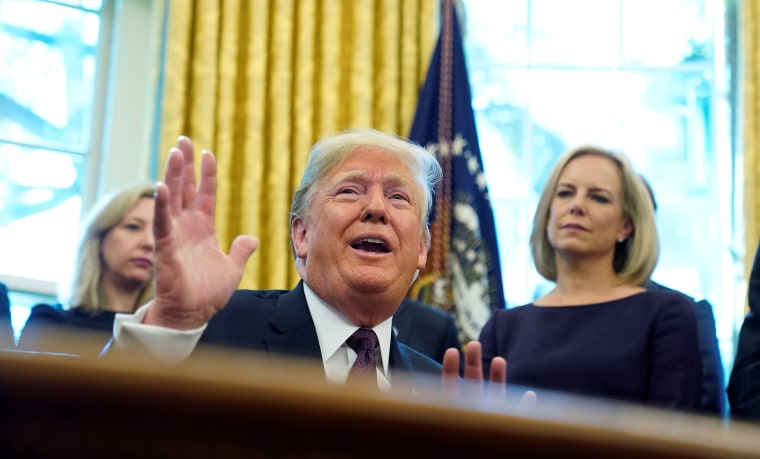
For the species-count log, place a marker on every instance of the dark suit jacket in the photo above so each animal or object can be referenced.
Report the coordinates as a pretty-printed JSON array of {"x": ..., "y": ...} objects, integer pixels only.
[
  {"x": 278, "y": 322},
  {"x": 744, "y": 384},
  {"x": 713, "y": 398},
  {"x": 426, "y": 329}
]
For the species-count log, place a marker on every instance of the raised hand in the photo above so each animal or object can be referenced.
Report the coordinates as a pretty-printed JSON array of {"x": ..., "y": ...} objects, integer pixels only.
[
  {"x": 194, "y": 277},
  {"x": 474, "y": 379},
  {"x": 473, "y": 366}
]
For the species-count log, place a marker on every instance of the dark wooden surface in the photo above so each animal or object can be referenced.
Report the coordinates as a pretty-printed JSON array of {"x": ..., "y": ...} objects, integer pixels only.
[{"x": 227, "y": 405}]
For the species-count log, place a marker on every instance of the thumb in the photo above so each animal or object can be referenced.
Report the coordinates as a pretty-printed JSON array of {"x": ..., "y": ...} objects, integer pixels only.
[{"x": 242, "y": 248}]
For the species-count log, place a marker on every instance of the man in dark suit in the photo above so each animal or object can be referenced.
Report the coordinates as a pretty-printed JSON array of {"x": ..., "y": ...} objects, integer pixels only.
[
  {"x": 744, "y": 383},
  {"x": 713, "y": 397},
  {"x": 426, "y": 329},
  {"x": 359, "y": 235},
  {"x": 713, "y": 394}
]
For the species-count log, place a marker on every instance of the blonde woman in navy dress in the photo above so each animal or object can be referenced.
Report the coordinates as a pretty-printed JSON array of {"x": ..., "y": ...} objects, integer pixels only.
[{"x": 599, "y": 332}]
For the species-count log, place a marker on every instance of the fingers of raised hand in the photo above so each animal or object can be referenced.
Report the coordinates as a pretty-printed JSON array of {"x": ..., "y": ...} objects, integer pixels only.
[
  {"x": 473, "y": 364},
  {"x": 162, "y": 219},
  {"x": 173, "y": 180},
  {"x": 528, "y": 400},
  {"x": 242, "y": 248},
  {"x": 498, "y": 370},
  {"x": 185, "y": 145},
  {"x": 184, "y": 193},
  {"x": 450, "y": 379},
  {"x": 207, "y": 189},
  {"x": 497, "y": 386}
]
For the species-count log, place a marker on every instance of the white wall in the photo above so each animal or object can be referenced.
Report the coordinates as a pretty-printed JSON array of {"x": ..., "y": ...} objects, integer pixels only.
[{"x": 123, "y": 152}]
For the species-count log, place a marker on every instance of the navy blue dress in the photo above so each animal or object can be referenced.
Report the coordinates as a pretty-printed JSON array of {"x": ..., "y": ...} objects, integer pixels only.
[
  {"x": 641, "y": 349},
  {"x": 50, "y": 328}
]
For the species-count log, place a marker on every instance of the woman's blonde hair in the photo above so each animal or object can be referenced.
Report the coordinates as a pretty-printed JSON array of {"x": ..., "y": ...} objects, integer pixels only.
[
  {"x": 83, "y": 290},
  {"x": 636, "y": 257}
]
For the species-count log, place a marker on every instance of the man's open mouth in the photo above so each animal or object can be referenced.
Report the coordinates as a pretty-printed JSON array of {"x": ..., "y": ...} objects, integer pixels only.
[{"x": 371, "y": 245}]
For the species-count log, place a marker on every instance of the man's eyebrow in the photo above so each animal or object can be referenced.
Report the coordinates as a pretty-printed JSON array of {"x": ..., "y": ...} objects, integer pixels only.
[
  {"x": 398, "y": 180},
  {"x": 356, "y": 175},
  {"x": 392, "y": 179}
]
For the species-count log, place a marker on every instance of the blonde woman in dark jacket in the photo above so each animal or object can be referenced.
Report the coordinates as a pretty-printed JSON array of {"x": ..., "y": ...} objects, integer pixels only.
[{"x": 113, "y": 273}]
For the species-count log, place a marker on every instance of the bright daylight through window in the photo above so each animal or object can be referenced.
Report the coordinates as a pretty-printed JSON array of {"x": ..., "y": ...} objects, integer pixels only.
[{"x": 48, "y": 61}]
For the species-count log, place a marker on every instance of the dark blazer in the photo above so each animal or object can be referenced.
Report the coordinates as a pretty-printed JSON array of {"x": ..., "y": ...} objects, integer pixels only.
[
  {"x": 713, "y": 394},
  {"x": 50, "y": 328},
  {"x": 426, "y": 329},
  {"x": 278, "y": 322},
  {"x": 744, "y": 383}
]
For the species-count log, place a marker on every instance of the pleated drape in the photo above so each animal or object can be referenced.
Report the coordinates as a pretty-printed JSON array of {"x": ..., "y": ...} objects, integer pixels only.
[
  {"x": 259, "y": 81},
  {"x": 750, "y": 96}
]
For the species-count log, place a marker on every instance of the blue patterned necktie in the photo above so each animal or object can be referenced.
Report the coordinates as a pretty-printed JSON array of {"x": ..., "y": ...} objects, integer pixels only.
[{"x": 363, "y": 342}]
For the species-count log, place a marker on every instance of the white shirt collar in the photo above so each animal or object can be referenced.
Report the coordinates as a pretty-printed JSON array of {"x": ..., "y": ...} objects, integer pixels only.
[{"x": 333, "y": 329}]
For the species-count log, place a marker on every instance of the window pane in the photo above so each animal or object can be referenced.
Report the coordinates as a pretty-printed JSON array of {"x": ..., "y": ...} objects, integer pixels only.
[
  {"x": 47, "y": 71},
  {"x": 88, "y": 4},
  {"x": 575, "y": 33},
  {"x": 498, "y": 21},
  {"x": 500, "y": 102},
  {"x": 653, "y": 37},
  {"x": 576, "y": 108},
  {"x": 668, "y": 126},
  {"x": 40, "y": 207}
]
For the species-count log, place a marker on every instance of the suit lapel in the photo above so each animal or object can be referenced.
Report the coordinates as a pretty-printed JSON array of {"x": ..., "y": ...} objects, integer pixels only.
[
  {"x": 292, "y": 320},
  {"x": 402, "y": 367},
  {"x": 398, "y": 360}
]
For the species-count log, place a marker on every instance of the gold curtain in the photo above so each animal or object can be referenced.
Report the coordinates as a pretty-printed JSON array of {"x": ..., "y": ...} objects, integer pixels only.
[
  {"x": 750, "y": 13},
  {"x": 259, "y": 81}
]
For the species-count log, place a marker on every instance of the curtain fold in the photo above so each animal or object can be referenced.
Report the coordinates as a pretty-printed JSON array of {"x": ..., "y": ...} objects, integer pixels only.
[
  {"x": 750, "y": 94},
  {"x": 259, "y": 81}
]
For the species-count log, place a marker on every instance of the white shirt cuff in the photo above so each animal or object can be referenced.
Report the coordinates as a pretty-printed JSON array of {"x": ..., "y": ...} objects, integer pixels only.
[{"x": 166, "y": 344}]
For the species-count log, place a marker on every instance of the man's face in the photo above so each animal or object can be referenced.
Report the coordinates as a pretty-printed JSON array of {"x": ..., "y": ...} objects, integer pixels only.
[{"x": 361, "y": 237}]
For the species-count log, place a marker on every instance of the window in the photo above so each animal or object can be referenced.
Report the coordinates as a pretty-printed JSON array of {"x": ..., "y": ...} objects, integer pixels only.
[
  {"x": 650, "y": 78},
  {"x": 48, "y": 79},
  {"x": 77, "y": 86}
]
